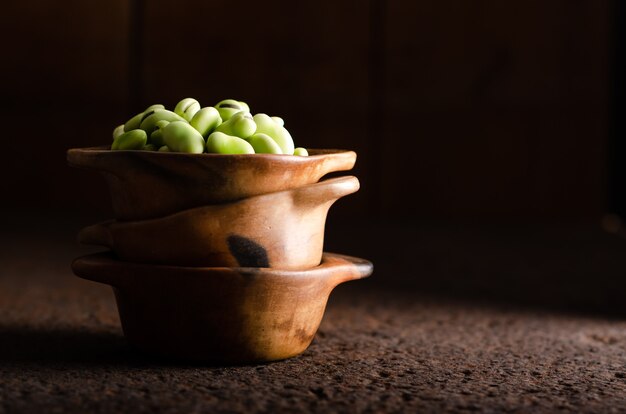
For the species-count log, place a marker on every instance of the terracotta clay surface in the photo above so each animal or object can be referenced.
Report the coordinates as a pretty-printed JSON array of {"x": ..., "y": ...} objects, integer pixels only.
[
  {"x": 386, "y": 344},
  {"x": 230, "y": 315},
  {"x": 283, "y": 230},
  {"x": 149, "y": 184}
]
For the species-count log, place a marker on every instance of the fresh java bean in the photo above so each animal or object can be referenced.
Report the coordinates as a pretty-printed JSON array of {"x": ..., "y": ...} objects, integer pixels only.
[
  {"x": 187, "y": 108},
  {"x": 153, "y": 107},
  {"x": 239, "y": 125},
  {"x": 229, "y": 107},
  {"x": 221, "y": 143},
  {"x": 179, "y": 136},
  {"x": 156, "y": 137},
  {"x": 278, "y": 120},
  {"x": 264, "y": 144},
  {"x": 149, "y": 123},
  {"x": 119, "y": 130},
  {"x": 131, "y": 140},
  {"x": 206, "y": 120},
  {"x": 301, "y": 152},
  {"x": 244, "y": 106},
  {"x": 265, "y": 125},
  {"x": 135, "y": 122}
]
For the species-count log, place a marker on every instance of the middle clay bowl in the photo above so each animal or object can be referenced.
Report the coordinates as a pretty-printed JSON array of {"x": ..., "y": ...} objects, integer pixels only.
[
  {"x": 282, "y": 230},
  {"x": 225, "y": 315}
]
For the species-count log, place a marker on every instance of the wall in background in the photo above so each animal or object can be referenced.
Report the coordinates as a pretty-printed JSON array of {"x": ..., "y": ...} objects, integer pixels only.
[{"x": 481, "y": 108}]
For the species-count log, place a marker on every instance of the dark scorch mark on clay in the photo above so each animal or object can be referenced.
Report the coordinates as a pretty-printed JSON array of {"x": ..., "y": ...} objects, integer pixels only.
[{"x": 247, "y": 252}]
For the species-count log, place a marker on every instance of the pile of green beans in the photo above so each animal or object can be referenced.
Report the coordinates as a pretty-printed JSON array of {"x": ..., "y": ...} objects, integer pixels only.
[{"x": 226, "y": 128}]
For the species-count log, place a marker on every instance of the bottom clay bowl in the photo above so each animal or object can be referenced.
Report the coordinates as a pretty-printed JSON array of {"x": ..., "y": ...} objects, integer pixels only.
[{"x": 219, "y": 314}]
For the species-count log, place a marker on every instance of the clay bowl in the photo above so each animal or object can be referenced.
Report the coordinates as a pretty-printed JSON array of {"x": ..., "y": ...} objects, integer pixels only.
[
  {"x": 283, "y": 230},
  {"x": 223, "y": 315},
  {"x": 148, "y": 184}
]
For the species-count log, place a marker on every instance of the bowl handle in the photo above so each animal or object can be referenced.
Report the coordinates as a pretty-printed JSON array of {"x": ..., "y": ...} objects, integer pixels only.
[
  {"x": 345, "y": 268},
  {"x": 92, "y": 160},
  {"x": 328, "y": 190},
  {"x": 97, "y": 268},
  {"x": 338, "y": 161},
  {"x": 97, "y": 234}
]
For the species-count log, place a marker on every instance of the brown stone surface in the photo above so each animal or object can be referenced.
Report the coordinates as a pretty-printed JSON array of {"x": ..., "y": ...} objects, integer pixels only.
[{"x": 379, "y": 349}]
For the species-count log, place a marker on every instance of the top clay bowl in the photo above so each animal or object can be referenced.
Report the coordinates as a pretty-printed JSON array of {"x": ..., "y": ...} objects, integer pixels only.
[
  {"x": 221, "y": 314},
  {"x": 150, "y": 184}
]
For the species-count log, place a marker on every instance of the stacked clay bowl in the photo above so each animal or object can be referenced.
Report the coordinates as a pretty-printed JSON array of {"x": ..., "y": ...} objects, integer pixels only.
[{"x": 218, "y": 258}]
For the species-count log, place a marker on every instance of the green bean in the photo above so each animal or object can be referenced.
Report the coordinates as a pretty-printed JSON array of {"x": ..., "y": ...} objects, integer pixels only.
[
  {"x": 187, "y": 108},
  {"x": 179, "y": 136},
  {"x": 131, "y": 140},
  {"x": 265, "y": 125},
  {"x": 239, "y": 125},
  {"x": 229, "y": 107},
  {"x": 189, "y": 127},
  {"x": 264, "y": 144},
  {"x": 206, "y": 120},
  {"x": 244, "y": 106},
  {"x": 153, "y": 107},
  {"x": 135, "y": 122},
  {"x": 161, "y": 124},
  {"x": 156, "y": 137},
  {"x": 221, "y": 143},
  {"x": 119, "y": 130},
  {"x": 278, "y": 120},
  {"x": 149, "y": 123}
]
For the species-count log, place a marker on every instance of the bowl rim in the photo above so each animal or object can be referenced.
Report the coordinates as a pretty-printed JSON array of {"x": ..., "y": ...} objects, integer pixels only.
[
  {"x": 329, "y": 267},
  {"x": 314, "y": 153}
]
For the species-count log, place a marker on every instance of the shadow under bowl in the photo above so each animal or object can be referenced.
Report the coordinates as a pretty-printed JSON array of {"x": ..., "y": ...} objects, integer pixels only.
[
  {"x": 150, "y": 184},
  {"x": 221, "y": 315},
  {"x": 284, "y": 230}
]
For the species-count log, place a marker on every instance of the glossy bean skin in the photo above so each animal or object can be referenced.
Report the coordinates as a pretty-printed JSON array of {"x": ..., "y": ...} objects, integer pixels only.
[
  {"x": 179, "y": 136},
  {"x": 220, "y": 143},
  {"x": 278, "y": 120},
  {"x": 239, "y": 125},
  {"x": 266, "y": 125},
  {"x": 156, "y": 138},
  {"x": 264, "y": 144},
  {"x": 130, "y": 140},
  {"x": 231, "y": 118},
  {"x": 119, "y": 130},
  {"x": 302, "y": 152},
  {"x": 149, "y": 123},
  {"x": 229, "y": 107},
  {"x": 153, "y": 107},
  {"x": 135, "y": 122},
  {"x": 244, "y": 106},
  {"x": 206, "y": 120},
  {"x": 187, "y": 108}
]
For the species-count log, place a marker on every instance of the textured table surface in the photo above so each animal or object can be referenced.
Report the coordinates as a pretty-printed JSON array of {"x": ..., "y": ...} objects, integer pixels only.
[{"x": 384, "y": 345}]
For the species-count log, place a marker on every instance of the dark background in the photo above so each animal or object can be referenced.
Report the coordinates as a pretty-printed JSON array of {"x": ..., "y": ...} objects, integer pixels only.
[{"x": 486, "y": 131}]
